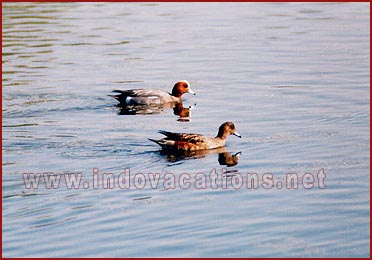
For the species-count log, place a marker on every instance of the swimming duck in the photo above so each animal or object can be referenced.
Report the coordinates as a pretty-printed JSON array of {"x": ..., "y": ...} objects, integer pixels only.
[
  {"x": 152, "y": 96},
  {"x": 194, "y": 142}
]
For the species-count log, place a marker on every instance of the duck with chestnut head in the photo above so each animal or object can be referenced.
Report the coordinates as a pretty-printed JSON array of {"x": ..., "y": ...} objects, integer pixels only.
[{"x": 133, "y": 97}]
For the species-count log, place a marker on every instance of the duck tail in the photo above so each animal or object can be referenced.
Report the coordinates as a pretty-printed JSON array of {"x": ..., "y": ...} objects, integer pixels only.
[
  {"x": 166, "y": 133},
  {"x": 159, "y": 142},
  {"x": 153, "y": 140},
  {"x": 162, "y": 142},
  {"x": 114, "y": 96}
]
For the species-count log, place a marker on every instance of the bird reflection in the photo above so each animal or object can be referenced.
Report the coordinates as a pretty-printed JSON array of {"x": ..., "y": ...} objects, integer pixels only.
[
  {"x": 184, "y": 113},
  {"x": 224, "y": 157},
  {"x": 228, "y": 159}
]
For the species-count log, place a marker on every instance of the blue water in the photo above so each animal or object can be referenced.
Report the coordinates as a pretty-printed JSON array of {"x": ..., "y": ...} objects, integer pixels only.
[{"x": 293, "y": 77}]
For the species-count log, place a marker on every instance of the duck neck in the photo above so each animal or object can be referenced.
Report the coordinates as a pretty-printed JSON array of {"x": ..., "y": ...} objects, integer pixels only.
[
  {"x": 176, "y": 93},
  {"x": 222, "y": 135}
]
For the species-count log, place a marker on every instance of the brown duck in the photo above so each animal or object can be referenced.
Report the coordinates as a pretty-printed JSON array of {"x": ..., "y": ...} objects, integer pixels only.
[{"x": 195, "y": 142}]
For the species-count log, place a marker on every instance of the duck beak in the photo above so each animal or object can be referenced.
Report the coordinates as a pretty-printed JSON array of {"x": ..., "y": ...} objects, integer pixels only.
[
  {"x": 191, "y": 92},
  {"x": 237, "y": 134}
]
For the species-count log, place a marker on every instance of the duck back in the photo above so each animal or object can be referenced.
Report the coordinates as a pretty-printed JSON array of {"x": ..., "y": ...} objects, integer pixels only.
[{"x": 143, "y": 97}]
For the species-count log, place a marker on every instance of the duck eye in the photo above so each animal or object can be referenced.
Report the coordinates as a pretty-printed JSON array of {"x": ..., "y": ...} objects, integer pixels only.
[{"x": 185, "y": 85}]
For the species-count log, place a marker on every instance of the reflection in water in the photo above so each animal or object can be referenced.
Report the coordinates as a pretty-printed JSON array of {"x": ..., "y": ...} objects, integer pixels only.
[
  {"x": 31, "y": 31},
  {"x": 228, "y": 159},
  {"x": 224, "y": 157},
  {"x": 184, "y": 113}
]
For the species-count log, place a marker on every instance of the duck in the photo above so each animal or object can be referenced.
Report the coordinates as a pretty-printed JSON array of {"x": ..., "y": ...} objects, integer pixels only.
[
  {"x": 196, "y": 142},
  {"x": 133, "y": 97}
]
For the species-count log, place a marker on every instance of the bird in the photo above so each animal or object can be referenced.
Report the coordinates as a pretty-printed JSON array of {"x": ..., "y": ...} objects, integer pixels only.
[
  {"x": 195, "y": 142},
  {"x": 133, "y": 97}
]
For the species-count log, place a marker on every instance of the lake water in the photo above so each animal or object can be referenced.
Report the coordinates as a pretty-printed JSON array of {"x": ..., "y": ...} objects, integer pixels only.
[{"x": 293, "y": 77}]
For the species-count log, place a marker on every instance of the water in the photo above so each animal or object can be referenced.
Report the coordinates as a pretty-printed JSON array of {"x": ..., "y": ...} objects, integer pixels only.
[{"x": 293, "y": 77}]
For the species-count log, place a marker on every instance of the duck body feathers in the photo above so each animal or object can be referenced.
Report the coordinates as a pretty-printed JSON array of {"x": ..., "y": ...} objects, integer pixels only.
[
  {"x": 189, "y": 142},
  {"x": 144, "y": 97}
]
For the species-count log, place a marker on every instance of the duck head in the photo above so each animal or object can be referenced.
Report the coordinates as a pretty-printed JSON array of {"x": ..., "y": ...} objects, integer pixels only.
[
  {"x": 182, "y": 87},
  {"x": 226, "y": 129}
]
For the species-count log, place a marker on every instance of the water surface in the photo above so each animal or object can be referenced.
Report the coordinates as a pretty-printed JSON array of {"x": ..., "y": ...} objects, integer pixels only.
[{"x": 293, "y": 77}]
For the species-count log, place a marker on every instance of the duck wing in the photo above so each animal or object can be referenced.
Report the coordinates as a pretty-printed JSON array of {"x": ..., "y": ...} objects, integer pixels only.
[
  {"x": 121, "y": 95},
  {"x": 182, "y": 137},
  {"x": 140, "y": 96},
  {"x": 141, "y": 92}
]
